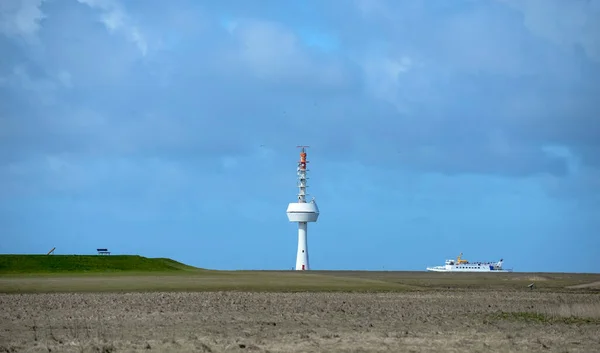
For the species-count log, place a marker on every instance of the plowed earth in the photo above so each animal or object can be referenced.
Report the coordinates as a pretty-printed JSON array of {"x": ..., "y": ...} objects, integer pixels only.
[{"x": 450, "y": 321}]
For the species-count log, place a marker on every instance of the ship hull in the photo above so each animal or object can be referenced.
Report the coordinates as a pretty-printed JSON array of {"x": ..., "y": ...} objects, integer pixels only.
[
  {"x": 483, "y": 269},
  {"x": 433, "y": 269}
]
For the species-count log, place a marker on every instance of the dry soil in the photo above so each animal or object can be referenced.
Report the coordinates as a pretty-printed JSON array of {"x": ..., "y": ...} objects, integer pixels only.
[{"x": 451, "y": 321}]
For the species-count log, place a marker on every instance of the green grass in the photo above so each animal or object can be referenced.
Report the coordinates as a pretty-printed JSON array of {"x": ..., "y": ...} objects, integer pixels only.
[
  {"x": 70, "y": 264},
  {"x": 93, "y": 273},
  {"x": 543, "y": 318},
  {"x": 544, "y": 282},
  {"x": 197, "y": 282}
]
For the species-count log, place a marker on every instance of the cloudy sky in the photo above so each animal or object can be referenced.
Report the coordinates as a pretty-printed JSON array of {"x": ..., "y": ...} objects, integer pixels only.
[{"x": 169, "y": 129}]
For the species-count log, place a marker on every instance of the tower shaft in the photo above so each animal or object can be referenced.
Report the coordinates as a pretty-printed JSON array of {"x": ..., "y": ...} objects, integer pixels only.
[{"x": 302, "y": 256}]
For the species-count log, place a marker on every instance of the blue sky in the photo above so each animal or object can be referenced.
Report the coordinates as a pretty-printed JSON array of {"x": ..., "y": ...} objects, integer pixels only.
[{"x": 436, "y": 127}]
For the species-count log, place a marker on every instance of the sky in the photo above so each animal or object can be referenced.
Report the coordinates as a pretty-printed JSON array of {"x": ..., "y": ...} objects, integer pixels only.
[{"x": 169, "y": 129}]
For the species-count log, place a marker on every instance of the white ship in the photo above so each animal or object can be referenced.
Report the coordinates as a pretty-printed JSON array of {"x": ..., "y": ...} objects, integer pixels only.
[{"x": 462, "y": 265}]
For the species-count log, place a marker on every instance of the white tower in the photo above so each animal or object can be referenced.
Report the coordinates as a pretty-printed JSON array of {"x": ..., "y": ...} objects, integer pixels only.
[{"x": 302, "y": 212}]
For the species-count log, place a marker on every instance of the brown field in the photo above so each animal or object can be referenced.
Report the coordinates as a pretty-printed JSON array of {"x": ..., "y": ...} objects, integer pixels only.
[{"x": 321, "y": 312}]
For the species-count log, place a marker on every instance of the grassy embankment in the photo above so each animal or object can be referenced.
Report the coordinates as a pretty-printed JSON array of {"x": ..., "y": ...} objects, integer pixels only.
[{"x": 87, "y": 264}]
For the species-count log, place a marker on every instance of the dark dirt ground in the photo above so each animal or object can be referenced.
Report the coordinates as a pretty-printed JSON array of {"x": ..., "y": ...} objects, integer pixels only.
[{"x": 435, "y": 321}]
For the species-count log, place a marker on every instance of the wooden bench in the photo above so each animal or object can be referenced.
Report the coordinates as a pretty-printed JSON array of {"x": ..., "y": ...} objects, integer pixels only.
[{"x": 103, "y": 252}]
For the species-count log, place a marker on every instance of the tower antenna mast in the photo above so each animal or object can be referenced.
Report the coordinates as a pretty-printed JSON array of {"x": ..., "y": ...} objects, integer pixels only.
[{"x": 301, "y": 171}]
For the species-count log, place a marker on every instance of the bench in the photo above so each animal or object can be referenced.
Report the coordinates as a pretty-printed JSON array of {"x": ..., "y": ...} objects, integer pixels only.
[{"x": 103, "y": 252}]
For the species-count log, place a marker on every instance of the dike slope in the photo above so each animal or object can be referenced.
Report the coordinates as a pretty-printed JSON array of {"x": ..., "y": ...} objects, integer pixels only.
[{"x": 55, "y": 264}]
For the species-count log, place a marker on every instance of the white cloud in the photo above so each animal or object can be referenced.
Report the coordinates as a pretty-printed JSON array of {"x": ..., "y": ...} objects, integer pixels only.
[
  {"x": 383, "y": 77},
  {"x": 20, "y": 17},
  {"x": 41, "y": 90},
  {"x": 428, "y": 73},
  {"x": 369, "y": 8},
  {"x": 566, "y": 23},
  {"x": 115, "y": 19},
  {"x": 65, "y": 79},
  {"x": 271, "y": 51}
]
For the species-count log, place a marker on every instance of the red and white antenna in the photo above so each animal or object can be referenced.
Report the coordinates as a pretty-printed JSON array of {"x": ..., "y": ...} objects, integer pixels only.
[{"x": 301, "y": 171}]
